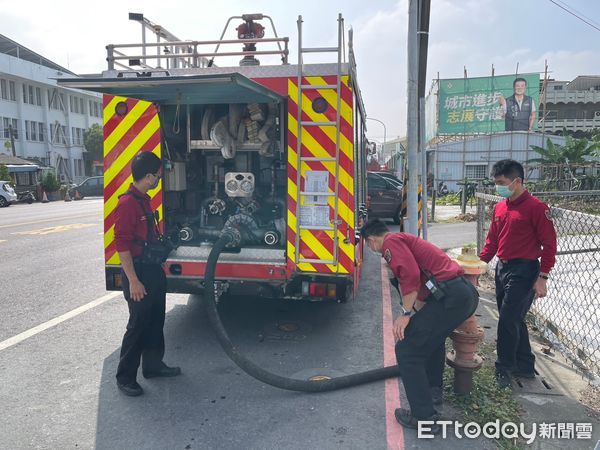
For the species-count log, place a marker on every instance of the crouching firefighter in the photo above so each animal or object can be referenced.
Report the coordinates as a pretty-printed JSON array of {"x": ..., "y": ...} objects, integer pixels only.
[
  {"x": 142, "y": 251},
  {"x": 436, "y": 298}
]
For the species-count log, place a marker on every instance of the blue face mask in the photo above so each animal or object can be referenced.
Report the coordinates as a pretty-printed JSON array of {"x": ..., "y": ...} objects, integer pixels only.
[{"x": 504, "y": 191}]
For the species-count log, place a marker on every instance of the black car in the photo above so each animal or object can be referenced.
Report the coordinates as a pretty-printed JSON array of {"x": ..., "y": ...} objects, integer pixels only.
[
  {"x": 385, "y": 196},
  {"x": 91, "y": 187}
]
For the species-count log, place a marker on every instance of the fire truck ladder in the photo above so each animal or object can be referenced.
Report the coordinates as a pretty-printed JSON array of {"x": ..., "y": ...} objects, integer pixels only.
[{"x": 337, "y": 88}]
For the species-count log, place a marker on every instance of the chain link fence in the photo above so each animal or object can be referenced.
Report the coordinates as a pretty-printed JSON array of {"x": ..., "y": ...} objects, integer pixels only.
[{"x": 569, "y": 317}]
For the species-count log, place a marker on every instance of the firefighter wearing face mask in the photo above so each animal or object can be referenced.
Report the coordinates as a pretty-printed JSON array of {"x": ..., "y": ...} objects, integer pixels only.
[
  {"x": 521, "y": 233},
  {"x": 144, "y": 280}
]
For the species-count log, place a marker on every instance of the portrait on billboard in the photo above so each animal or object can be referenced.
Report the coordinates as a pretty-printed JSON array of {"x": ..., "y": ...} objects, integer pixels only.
[{"x": 518, "y": 109}]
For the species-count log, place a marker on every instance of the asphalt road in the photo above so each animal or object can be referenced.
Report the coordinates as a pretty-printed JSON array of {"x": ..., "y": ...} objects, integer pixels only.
[{"x": 57, "y": 387}]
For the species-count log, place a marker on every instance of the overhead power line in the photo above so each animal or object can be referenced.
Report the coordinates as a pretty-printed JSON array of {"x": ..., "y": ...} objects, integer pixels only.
[{"x": 567, "y": 9}]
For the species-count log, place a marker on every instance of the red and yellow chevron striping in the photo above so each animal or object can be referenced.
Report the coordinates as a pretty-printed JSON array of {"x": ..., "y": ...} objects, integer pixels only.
[
  {"x": 136, "y": 130},
  {"x": 320, "y": 142}
]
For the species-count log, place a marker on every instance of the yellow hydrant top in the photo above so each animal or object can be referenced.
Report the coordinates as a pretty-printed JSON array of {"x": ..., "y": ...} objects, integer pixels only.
[{"x": 470, "y": 262}]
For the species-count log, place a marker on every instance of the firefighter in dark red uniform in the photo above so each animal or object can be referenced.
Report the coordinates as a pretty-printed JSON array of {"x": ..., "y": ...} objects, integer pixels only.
[
  {"x": 144, "y": 284},
  {"x": 427, "y": 277},
  {"x": 521, "y": 232}
]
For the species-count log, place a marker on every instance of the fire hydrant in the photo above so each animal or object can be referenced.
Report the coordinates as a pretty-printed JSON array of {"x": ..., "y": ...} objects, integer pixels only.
[{"x": 465, "y": 339}]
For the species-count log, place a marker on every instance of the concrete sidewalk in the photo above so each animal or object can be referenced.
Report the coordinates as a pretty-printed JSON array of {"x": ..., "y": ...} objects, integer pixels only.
[{"x": 553, "y": 397}]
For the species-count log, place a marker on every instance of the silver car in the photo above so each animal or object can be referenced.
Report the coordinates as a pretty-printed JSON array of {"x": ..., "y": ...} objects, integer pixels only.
[{"x": 7, "y": 194}]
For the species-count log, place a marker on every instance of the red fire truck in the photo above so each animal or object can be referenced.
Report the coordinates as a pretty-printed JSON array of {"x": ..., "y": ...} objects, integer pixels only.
[{"x": 279, "y": 148}]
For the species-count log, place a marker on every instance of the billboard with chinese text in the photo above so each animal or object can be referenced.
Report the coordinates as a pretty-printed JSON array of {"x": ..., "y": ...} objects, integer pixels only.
[{"x": 488, "y": 104}]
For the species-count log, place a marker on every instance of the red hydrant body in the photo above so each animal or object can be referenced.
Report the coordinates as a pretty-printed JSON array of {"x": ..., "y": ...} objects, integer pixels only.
[{"x": 466, "y": 338}]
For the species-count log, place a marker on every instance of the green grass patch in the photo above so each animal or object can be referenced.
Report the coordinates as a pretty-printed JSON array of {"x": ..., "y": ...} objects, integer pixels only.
[{"x": 488, "y": 401}]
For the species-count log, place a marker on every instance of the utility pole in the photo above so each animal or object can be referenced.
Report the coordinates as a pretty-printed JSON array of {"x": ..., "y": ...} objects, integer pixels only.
[
  {"x": 424, "y": 12},
  {"x": 412, "y": 126}
]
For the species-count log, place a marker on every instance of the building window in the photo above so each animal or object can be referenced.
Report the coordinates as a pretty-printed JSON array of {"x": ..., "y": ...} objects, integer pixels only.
[
  {"x": 7, "y": 122},
  {"x": 29, "y": 95},
  {"x": 12, "y": 91},
  {"x": 4, "y": 89},
  {"x": 476, "y": 171},
  {"x": 58, "y": 134},
  {"x": 95, "y": 108},
  {"x": 558, "y": 87},
  {"x": 77, "y": 135},
  {"x": 76, "y": 105},
  {"x": 34, "y": 131},
  {"x": 41, "y": 131},
  {"x": 56, "y": 100},
  {"x": 23, "y": 178},
  {"x": 38, "y": 96}
]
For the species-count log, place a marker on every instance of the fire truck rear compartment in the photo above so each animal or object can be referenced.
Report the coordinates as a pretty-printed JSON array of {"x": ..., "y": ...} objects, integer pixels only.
[{"x": 229, "y": 165}]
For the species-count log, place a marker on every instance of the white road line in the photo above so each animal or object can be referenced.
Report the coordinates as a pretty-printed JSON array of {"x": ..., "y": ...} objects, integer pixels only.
[
  {"x": 487, "y": 300},
  {"x": 492, "y": 312},
  {"x": 57, "y": 320},
  {"x": 50, "y": 220}
]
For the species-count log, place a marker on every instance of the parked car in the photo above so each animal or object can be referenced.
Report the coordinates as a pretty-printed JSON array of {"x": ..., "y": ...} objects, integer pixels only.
[
  {"x": 385, "y": 196},
  {"x": 7, "y": 194},
  {"x": 389, "y": 176},
  {"x": 91, "y": 187}
]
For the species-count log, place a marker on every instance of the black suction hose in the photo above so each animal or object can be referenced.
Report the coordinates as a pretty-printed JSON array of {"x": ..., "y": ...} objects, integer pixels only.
[{"x": 259, "y": 373}]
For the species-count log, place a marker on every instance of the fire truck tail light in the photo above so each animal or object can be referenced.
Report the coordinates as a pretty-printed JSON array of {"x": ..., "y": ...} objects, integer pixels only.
[
  {"x": 331, "y": 290},
  {"x": 318, "y": 289},
  {"x": 323, "y": 290}
]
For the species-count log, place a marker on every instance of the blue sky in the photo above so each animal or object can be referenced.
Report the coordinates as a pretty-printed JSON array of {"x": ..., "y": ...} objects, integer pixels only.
[{"x": 471, "y": 33}]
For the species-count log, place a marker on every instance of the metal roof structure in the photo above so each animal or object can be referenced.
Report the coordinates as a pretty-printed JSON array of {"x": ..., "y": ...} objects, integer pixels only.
[
  {"x": 584, "y": 83},
  {"x": 12, "y": 48}
]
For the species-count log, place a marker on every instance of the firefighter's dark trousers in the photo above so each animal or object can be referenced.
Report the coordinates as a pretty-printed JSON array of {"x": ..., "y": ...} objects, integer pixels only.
[
  {"x": 144, "y": 337},
  {"x": 421, "y": 354},
  {"x": 514, "y": 295}
]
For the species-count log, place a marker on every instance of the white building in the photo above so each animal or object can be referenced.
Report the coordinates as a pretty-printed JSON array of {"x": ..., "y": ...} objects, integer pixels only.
[
  {"x": 571, "y": 105},
  {"x": 48, "y": 121}
]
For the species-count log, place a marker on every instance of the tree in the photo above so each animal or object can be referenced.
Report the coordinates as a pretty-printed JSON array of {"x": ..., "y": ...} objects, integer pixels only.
[
  {"x": 93, "y": 141},
  {"x": 4, "y": 174},
  {"x": 573, "y": 152},
  {"x": 552, "y": 154},
  {"x": 50, "y": 183}
]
